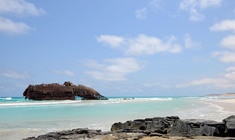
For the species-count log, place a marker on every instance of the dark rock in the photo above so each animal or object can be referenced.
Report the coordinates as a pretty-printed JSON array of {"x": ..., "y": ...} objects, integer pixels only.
[
  {"x": 230, "y": 126},
  {"x": 138, "y": 125},
  {"x": 188, "y": 128},
  {"x": 149, "y": 119},
  {"x": 173, "y": 126},
  {"x": 79, "y": 133},
  {"x": 164, "y": 127},
  {"x": 116, "y": 126},
  {"x": 159, "y": 125},
  {"x": 67, "y": 91},
  {"x": 179, "y": 128},
  {"x": 172, "y": 118}
]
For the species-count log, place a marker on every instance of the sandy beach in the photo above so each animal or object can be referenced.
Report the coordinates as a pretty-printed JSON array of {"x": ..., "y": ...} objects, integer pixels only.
[{"x": 225, "y": 102}]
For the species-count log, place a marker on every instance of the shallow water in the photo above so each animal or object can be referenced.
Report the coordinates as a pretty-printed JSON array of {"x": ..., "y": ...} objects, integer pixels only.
[{"x": 22, "y": 118}]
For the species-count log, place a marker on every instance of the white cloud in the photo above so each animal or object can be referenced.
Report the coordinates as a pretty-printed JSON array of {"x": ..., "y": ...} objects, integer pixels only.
[
  {"x": 227, "y": 80},
  {"x": 149, "y": 45},
  {"x": 10, "y": 27},
  {"x": 195, "y": 15},
  {"x": 16, "y": 8},
  {"x": 141, "y": 13},
  {"x": 14, "y": 74},
  {"x": 228, "y": 42},
  {"x": 189, "y": 43},
  {"x": 214, "y": 82},
  {"x": 230, "y": 75},
  {"x": 113, "y": 41},
  {"x": 225, "y": 25},
  {"x": 143, "y": 44},
  {"x": 229, "y": 69},
  {"x": 205, "y": 81},
  {"x": 65, "y": 72},
  {"x": 209, "y": 3},
  {"x": 225, "y": 56},
  {"x": 194, "y": 7},
  {"x": 152, "y": 7},
  {"x": 113, "y": 69},
  {"x": 156, "y": 4},
  {"x": 19, "y": 7}
]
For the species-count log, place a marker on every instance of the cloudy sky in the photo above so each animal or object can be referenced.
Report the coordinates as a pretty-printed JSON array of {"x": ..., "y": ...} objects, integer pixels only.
[{"x": 131, "y": 47}]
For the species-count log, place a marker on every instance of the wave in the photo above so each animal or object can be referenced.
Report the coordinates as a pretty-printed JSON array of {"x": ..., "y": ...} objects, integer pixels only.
[
  {"x": 5, "y": 98},
  {"x": 143, "y": 98},
  {"x": 37, "y": 103},
  {"x": 20, "y": 103},
  {"x": 134, "y": 100}
]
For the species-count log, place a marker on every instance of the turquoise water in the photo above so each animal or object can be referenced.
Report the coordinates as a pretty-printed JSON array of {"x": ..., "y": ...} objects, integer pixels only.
[{"x": 22, "y": 118}]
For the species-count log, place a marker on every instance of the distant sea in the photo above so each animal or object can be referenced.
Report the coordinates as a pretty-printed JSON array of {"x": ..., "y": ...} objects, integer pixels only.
[{"x": 20, "y": 118}]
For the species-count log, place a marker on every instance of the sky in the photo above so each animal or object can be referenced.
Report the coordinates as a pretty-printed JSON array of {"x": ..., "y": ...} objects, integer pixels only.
[{"x": 119, "y": 48}]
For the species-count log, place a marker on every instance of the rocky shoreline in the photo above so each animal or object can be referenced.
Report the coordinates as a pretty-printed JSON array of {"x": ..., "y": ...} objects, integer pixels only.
[{"x": 158, "y": 128}]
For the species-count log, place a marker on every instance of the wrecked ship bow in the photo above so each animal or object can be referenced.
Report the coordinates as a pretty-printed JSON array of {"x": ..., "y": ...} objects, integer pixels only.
[{"x": 67, "y": 91}]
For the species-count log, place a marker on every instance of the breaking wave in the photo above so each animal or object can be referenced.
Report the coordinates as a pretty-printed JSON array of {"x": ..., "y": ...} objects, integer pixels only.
[
  {"x": 11, "y": 102},
  {"x": 5, "y": 98}
]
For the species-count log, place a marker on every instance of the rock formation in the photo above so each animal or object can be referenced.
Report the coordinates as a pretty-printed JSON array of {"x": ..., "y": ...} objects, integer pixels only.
[
  {"x": 171, "y": 128},
  {"x": 67, "y": 91}
]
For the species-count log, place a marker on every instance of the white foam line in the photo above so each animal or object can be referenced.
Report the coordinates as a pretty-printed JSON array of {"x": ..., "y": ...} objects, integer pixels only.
[
  {"x": 82, "y": 102},
  {"x": 6, "y": 98},
  {"x": 39, "y": 103}
]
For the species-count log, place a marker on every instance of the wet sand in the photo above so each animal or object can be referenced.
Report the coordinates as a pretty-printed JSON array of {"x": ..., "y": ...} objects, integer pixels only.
[
  {"x": 225, "y": 101},
  {"x": 226, "y": 104}
]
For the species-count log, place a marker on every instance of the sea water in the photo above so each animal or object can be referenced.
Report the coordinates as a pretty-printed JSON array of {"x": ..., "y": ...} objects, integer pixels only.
[{"x": 20, "y": 118}]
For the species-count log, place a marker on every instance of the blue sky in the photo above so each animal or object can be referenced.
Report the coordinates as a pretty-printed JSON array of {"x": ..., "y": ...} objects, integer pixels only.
[{"x": 131, "y": 48}]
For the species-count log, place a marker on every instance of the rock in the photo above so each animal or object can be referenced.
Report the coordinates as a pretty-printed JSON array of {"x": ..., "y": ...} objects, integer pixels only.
[
  {"x": 80, "y": 133},
  {"x": 85, "y": 134},
  {"x": 164, "y": 127},
  {"x": 158, "y": 125},
  {"x": 174, "y": 126},
  {"x": 192, "y": 128},
  {"x": 67, "y": 91},
  {"x": 230, "y": 126}
]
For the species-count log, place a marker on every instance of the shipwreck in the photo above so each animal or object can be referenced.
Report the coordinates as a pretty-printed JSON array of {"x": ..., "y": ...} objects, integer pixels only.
[{"x": 67, "y": 91}]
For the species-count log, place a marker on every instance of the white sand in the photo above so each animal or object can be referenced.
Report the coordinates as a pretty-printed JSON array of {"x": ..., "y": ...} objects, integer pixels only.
[{"x": 224, "y": 104}]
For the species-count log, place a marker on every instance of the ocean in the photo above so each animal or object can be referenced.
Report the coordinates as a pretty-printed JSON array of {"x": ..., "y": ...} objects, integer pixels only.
[{"x": 20, "y": 118}]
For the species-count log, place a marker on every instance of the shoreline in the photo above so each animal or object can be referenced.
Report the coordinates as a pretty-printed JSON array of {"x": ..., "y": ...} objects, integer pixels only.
[{"x": 226, "y": 104}]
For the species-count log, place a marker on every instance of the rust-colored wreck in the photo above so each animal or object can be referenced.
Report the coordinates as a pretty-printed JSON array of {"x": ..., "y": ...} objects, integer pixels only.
[{"x": 67, "y": 91}]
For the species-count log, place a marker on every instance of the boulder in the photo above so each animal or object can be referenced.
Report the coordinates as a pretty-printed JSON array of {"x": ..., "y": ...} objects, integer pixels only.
[
  {"x": 194, "y": 128},
  {"x": 158, "y": 125},
  {"x": 174, "y": 126},
  {"x": 230, "y": 126}
]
